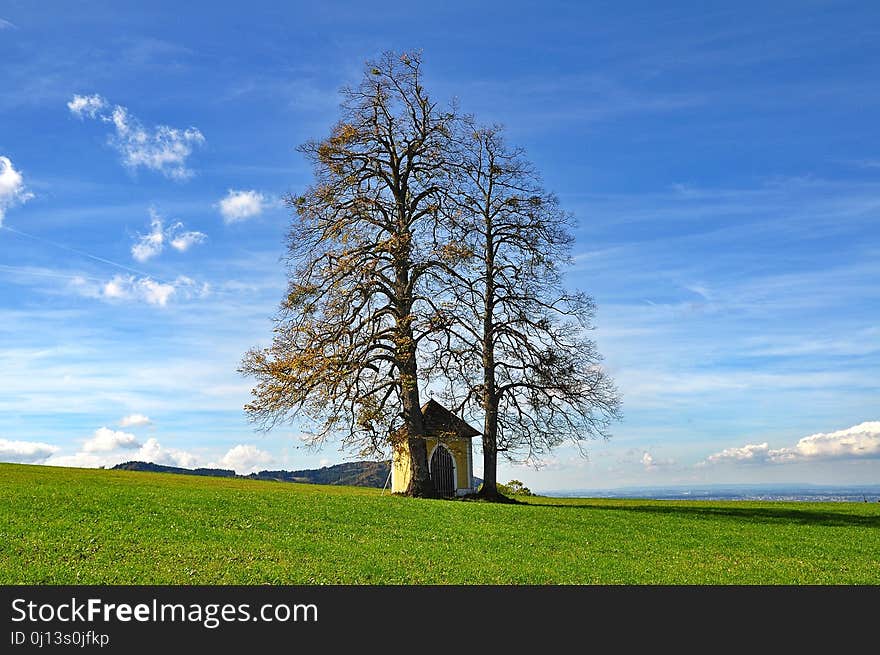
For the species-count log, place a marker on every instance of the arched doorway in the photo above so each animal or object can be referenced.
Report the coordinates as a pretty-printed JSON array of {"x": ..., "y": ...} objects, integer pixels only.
[{"x": 443, "y": 471}]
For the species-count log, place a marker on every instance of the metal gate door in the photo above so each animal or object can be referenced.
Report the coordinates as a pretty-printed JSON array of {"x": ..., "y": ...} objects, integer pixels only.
[{"x": 443, "y": 471}]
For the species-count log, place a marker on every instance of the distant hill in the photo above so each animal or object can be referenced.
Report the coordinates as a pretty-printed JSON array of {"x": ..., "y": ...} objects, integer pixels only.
[
  {"x": 159, "y": 468},
  {"x": 355, "y": 474}
]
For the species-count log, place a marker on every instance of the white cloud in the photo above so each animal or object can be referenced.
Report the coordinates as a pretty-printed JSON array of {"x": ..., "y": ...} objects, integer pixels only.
[
  {"x": 162, "y": 148},
  {"x": 241, "y": 205},
  {"x": 700, "y": 290},
  {"x": 153, "y": 242},
  {"x": 105, "y": 440},
  {"x": 130, "y": 288},
  {"x": 862, "y": 440},
  {"x": 651, "y": 463},
  {"x": 149, "y": 245},
  {"x": 6, "y": 25},
  {"x": 12, "y": 189},
  {"x": 245, "y": 458},
  {"x": 183, "y": 241},
  {"x": 86, "y": 105},
  {"x": 108, "y": 448},
  {"x": 748, "y": 453},
  {"x": 85, "y": 460},
  {"x": 25, "y": 452},
  {"x": 145, "y": 289},
  {"x": 858, "y": 441},
  {"x": 134, "y": 420},
  {"x": 153, "y": 451}
]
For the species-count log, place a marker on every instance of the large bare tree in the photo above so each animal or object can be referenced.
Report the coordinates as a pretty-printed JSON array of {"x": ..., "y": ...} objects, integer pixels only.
[
  {"x": 514, "y": 348},
  {"x": 346, "y": 343}
]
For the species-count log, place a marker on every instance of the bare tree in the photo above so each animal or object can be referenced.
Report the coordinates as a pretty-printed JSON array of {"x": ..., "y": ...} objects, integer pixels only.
[
  {"x": 345, "y": 350},
  {"x": 513, "y": 346}
]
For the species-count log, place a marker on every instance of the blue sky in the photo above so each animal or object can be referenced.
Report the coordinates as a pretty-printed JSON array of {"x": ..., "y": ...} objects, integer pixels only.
[{"x": 722, "y": 160}]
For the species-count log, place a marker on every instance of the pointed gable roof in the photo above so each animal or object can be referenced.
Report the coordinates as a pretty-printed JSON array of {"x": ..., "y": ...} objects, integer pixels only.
[{"x": 439, "y": 420}]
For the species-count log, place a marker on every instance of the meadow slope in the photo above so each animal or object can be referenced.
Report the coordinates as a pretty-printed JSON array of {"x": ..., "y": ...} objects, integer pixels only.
[{"x": 76, "y": 526}]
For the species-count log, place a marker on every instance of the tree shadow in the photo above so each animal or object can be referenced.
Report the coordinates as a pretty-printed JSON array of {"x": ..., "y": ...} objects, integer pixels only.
[{"x": 782, "y": 515}]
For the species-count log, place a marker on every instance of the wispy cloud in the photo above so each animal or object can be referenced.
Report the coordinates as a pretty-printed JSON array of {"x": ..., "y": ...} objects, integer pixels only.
[
  {"x": 638, "y": 458},
  {"x": 184, "y": 240},
  {"x": 134, "y": 420},
  {"x": 149, "y": 52},
  {"x": 173, "y": 375},
  {"x": 851, "y": 342},
  {"x": 146, "y": 289},
  {"x": 533, "y": 100},
  {"x": 682, "y": 386},
  {"x": 81, "y": 106},
  {"x": 152, "y": 243},
  {"x": 739, "y": 299},
  {"x": 862, "y": 163},
  {"x": 241, "y": 205},
  {"x": 704, "y": 292},
  {"x": 651, "y": 463},
  {"x": 12, "y": 188},
  {"x": 163, "y": 149},
  {"x": 6, "y": 25},
  {"x": 131, "y": 288}
]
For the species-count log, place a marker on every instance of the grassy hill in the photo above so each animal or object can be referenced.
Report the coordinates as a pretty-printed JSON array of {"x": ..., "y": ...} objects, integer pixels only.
[{"x": 121, "y": 527}]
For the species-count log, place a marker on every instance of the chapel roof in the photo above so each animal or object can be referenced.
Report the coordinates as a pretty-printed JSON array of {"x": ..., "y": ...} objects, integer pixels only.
[{"x": 440, "y": 422}]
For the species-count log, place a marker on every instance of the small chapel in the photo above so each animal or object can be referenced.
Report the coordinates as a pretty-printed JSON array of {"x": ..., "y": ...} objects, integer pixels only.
[{"x": 450, "y": 453}]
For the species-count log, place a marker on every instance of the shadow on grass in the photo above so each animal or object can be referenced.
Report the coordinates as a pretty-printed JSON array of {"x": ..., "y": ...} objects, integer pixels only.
[{"x": 783, "y": 515}]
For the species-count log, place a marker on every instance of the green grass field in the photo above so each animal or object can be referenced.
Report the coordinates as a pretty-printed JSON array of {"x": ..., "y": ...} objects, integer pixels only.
[{"x": 74, "y": 526}]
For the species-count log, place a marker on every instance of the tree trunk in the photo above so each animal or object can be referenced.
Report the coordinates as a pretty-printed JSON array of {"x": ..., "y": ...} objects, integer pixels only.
[
  {"x": 490, "y": 390},
  {"x": 489, "y": 489},
  {"x": 490, "y": 420},
  {"x": 420, "y": 483}
]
